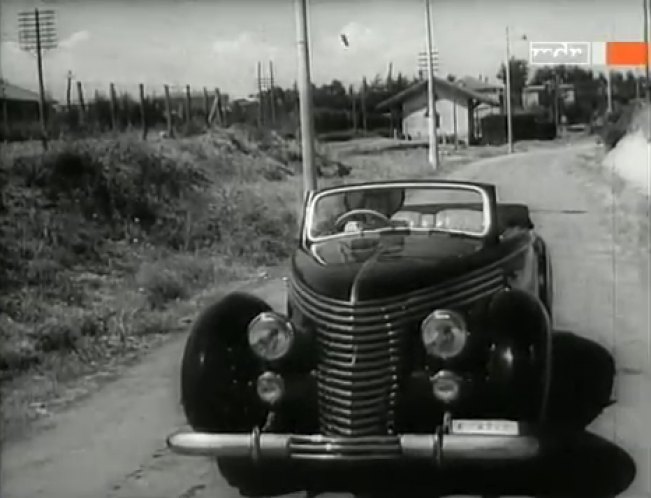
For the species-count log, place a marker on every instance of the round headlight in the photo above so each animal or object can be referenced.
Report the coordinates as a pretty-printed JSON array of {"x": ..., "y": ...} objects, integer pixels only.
[
  {"x": 444, "y": 333},
  {"x": 270, "y": 336}
]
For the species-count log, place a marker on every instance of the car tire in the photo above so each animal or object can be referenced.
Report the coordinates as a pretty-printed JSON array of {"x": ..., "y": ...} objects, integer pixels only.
[
  {"x": 217, "y": 391},
  {"x": 546, "y": 280}
]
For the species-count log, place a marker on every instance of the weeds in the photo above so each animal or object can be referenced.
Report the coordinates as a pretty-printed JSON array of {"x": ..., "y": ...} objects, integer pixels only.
[{"x": 127, "y": 228}]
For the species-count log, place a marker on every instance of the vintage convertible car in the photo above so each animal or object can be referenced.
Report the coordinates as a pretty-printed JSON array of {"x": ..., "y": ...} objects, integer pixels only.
[{"x": 417, "y": 333}]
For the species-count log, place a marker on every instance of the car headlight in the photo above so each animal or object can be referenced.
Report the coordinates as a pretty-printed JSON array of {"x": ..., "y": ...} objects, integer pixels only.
[
  {"x": 444, "y": 333},
  {"x": 446, "y": 386},
  {"x": 270, "y": 336},
  {"x": 270, "y": 387}
]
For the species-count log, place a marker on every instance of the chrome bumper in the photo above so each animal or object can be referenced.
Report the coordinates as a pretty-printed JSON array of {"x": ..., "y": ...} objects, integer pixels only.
[{"x": 440, "y": 449}]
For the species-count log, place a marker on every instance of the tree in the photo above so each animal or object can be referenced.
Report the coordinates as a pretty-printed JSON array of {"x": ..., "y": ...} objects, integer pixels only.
[{"x": 519, "y": 69}]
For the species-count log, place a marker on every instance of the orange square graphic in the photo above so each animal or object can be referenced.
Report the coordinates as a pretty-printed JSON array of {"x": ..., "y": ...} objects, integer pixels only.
[{"x": 626, "y": 53}]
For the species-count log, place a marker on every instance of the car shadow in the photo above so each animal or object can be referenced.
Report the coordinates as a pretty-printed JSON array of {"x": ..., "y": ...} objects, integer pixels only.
[{"x": 575, "y": 462}]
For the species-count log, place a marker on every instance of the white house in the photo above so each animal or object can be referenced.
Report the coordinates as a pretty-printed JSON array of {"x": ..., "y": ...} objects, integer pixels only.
[{"x": 455, "y": 108}]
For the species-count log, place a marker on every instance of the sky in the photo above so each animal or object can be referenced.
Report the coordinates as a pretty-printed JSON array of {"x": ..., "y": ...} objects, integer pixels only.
[{"x": 217, "y": 43}]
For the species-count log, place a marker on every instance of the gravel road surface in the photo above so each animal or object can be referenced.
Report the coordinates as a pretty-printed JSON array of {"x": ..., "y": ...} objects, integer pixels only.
[{"x": 112, "y": 444}]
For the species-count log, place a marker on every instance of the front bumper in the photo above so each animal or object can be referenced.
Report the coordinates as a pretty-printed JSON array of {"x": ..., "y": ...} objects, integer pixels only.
[{"x": 439, "y": 449}]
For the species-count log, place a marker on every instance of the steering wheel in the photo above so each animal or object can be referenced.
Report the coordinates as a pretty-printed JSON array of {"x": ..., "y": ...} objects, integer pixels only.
[{"x": 339, "y": 222}]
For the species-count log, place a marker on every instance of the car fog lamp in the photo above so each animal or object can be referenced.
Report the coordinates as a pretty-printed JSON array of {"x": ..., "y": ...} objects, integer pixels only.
[
  {"x": 446, "y": 386},
  {"x": 270, "y": 336},
  {"x": 444, "y": 333},
  {"x": 271, "y": 387}
]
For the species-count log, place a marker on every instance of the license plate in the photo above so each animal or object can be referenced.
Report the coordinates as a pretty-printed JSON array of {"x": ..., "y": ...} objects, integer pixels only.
[{"x": 485, "y": 427}]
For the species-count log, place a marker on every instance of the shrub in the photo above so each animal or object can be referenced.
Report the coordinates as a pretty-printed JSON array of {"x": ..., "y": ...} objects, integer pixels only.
[{"x": 173, "y": 278}]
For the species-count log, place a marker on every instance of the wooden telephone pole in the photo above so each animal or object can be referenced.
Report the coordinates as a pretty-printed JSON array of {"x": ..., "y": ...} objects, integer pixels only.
[
  {"x": 37, "y": 32},
  {"x": 305, "y": 97},
  {"x": 647, "y": 86},
  {"x": 431, "y": 97},
  {"x": 272, "y": 96},
  {"x": 507, "y": 93}
]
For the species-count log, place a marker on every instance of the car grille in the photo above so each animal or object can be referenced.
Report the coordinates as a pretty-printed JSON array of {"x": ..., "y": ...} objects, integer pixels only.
[{"x": 360, "y": 348}]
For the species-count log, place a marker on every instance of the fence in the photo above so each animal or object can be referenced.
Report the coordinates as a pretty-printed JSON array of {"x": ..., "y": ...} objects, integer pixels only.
[
  {"x": 168, "y": 109},
  {"x": 180, "y": 110}
]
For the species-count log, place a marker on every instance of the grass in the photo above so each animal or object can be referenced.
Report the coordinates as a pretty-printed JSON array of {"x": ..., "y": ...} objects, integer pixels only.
[
  {"x": 106, "y": 242},
  {"x": 625, "y": 119}
]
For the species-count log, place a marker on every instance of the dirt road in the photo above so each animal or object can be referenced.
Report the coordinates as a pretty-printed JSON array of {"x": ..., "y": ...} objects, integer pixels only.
[{"x": 112, "y": 444}]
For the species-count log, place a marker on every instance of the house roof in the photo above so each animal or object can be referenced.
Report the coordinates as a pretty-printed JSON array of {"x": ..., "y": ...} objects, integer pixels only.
[
  {"x": 478, "y": 85},
  {"x": 10, "y": 92},
  {"x": 535, "y": 88},
  {"x": 439, "y": 83}
]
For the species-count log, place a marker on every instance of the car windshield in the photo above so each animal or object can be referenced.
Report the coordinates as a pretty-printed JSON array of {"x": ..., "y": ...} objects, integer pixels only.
[{"x": 363, "y": 210}]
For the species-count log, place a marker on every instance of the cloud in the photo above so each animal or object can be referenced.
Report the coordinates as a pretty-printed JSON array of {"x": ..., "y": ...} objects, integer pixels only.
[
  {"x": 246, "y": 44},
  {"x": 10, "y": 46},
  {"x": 75, "y": 39}
]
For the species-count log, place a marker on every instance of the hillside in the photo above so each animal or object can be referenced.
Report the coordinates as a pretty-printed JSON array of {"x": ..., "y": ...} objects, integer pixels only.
[
  {"x": 104, "y": 242},
  {"x": 630, "y": 159}
]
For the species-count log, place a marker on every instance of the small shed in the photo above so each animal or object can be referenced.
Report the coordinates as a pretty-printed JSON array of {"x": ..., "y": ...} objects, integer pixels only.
[
  {"x": 455, "y": 109},
  {"x": 19, "y": 104}
]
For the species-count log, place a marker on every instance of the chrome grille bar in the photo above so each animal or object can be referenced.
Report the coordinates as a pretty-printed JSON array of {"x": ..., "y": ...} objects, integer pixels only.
[{"x": 360, "y": 348}]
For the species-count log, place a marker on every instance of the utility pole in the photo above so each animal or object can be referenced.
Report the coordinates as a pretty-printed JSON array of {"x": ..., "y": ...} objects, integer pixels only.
[
  {"x": 431, "y": 98},
  {"x": 507, "y": 96},
  {"x": 41, "y": 86},
  {"x": 260, "y": 97},
  {"x": 609, "y": 90},
  {"x": 305, "y": 97},
  {"x": 37, "y": 31},
  {"x": 647, "y": 85},
  {"x": 363, "y": 105},
  {"x": 454, "y": 118},
  {"x": 68, "y": 89}
]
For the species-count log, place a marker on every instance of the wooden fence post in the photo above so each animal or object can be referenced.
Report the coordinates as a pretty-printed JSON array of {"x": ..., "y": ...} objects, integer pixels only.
[
  {"x": 213, "y": 109},
  {"x": 68, "y": 103},
  {"x": 95, "y": 109},
  {"x": 114, "y": 124},
  {"x": 188, "y": 104},
  {"x": 272, "y": 94},
  {"x": 220, "y": 109},
  {"x": 168, "y": 112},
  {"x": 261, "y": 117},
  {"x": 206, "y": 106},
  {"x": 82, "y": 106},
  {"x": 143, "y": 115}
]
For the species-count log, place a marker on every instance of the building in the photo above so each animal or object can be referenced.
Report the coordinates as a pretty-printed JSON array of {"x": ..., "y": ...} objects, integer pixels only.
[
  {"x": 20, "y": 105},
  {"x": 456, "y": 105},
  {"x": 531, "y": 94},
  {"x": 494, "y": 91}
]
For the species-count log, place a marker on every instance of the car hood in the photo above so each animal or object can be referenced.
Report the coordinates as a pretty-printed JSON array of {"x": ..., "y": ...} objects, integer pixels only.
[{"x": 358, "y": 269}]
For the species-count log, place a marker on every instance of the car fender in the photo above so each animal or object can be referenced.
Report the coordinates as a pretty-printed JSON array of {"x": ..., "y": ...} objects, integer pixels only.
[
  {"x": 218, "y": 368},
  {"x": 520, "y": 350}
]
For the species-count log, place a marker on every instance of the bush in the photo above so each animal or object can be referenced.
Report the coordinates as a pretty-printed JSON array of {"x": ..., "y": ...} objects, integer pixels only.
[
  {"x": 125, "y": 228},
  {"x": 173, "y": 278},
  {"x": 617, "y": 124}
]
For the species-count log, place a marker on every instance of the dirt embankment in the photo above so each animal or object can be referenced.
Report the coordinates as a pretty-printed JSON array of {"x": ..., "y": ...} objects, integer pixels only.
[
  {"x": 630, "y": 158},
  {"x": 105, "y": 241}
]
